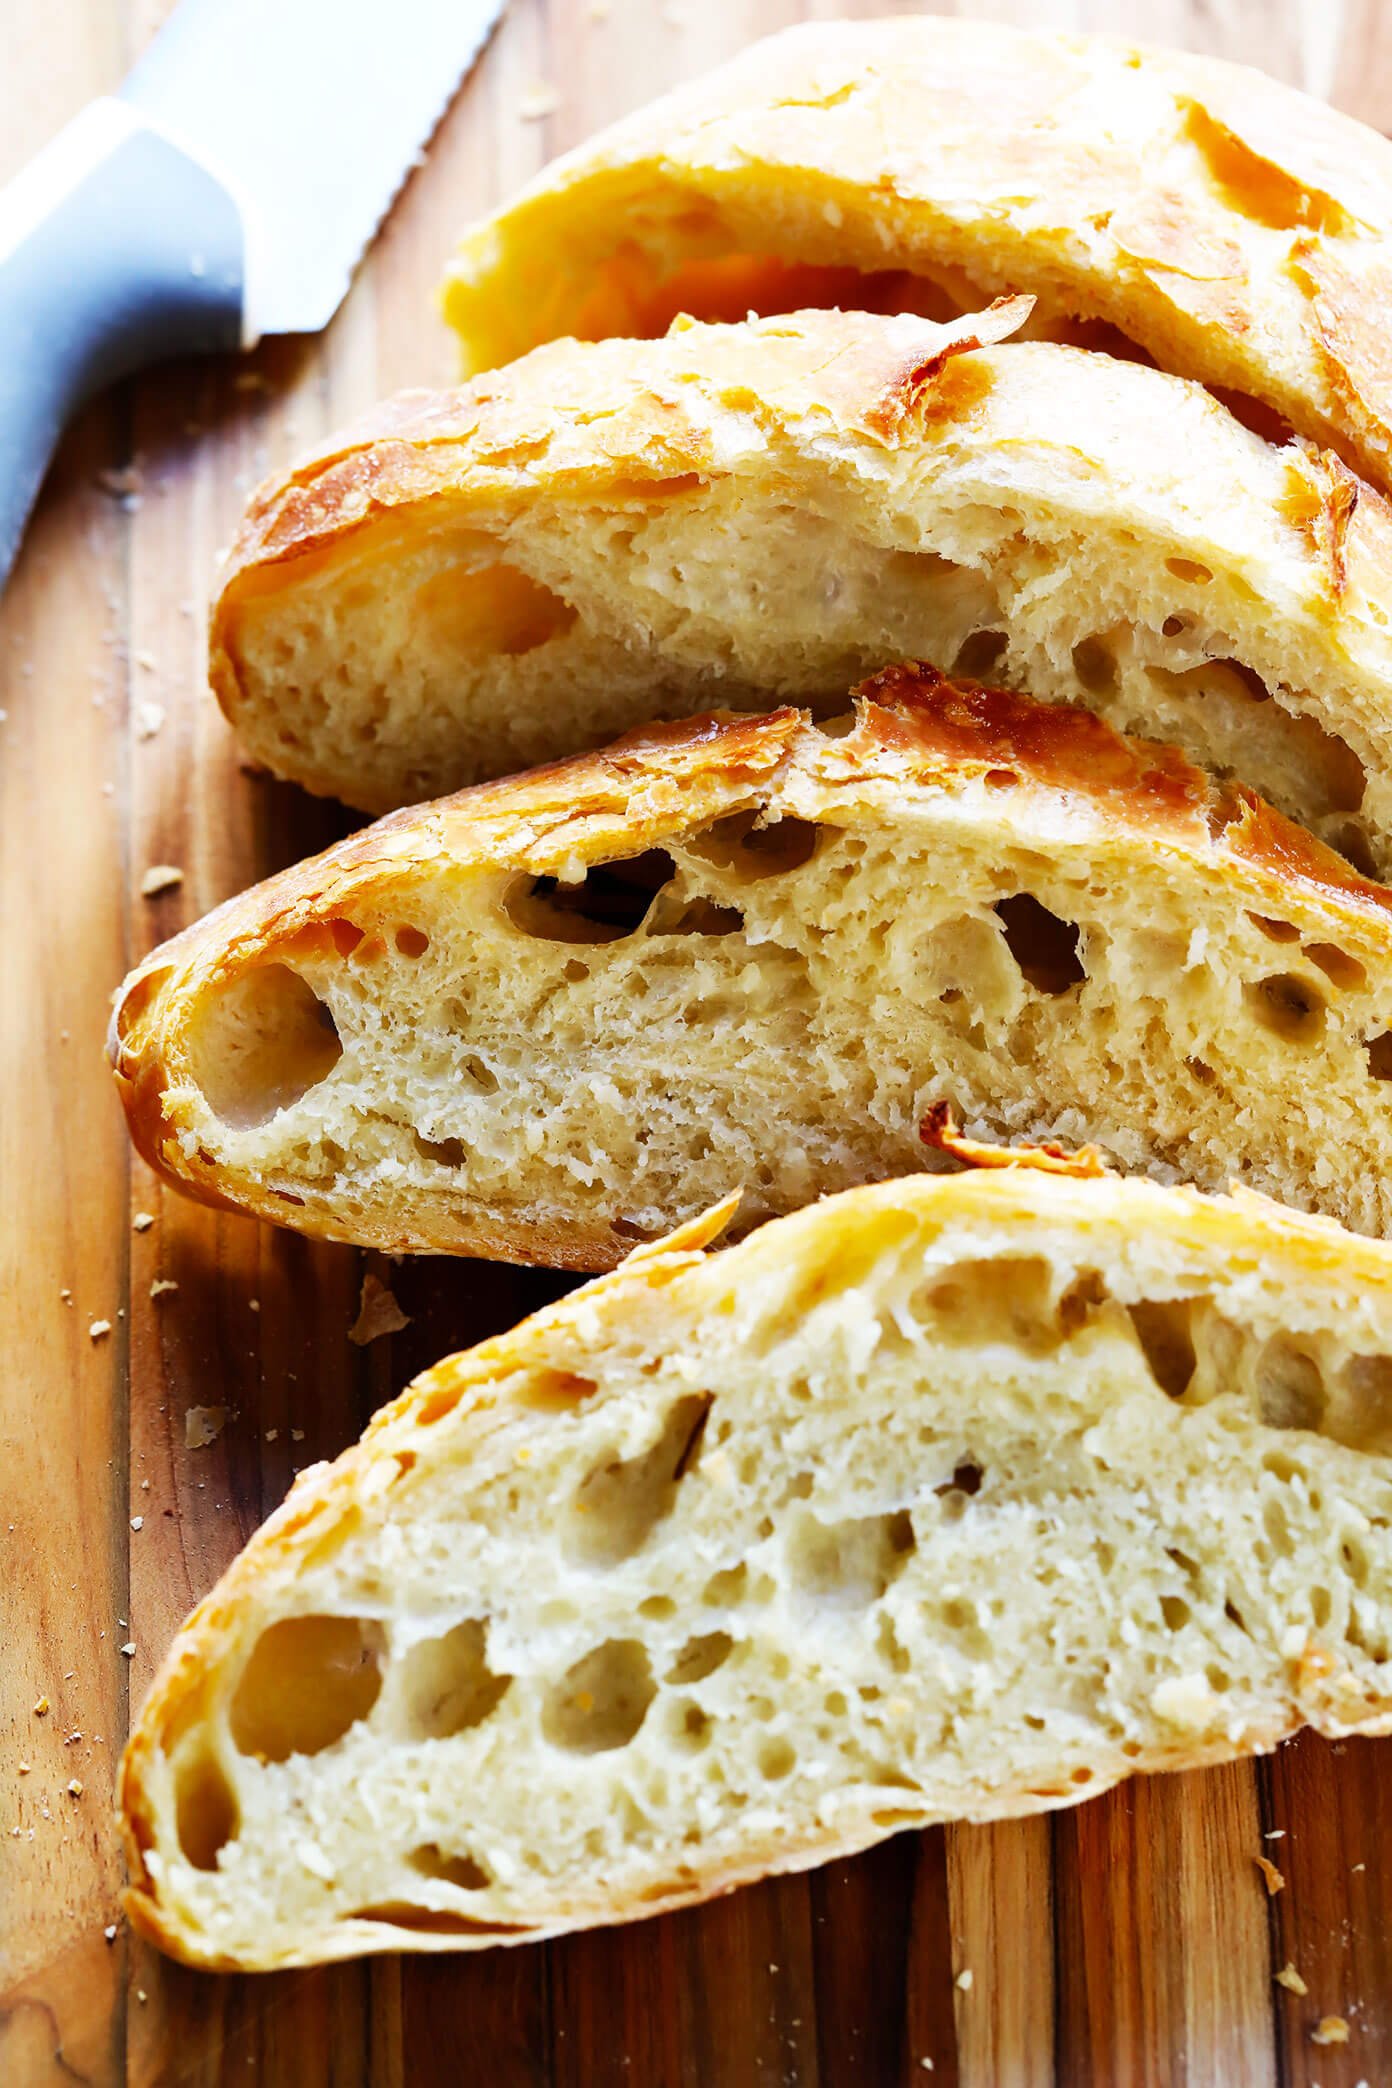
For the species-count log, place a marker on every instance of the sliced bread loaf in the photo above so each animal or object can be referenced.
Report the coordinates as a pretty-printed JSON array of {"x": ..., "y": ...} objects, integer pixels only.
[
  {"x": 552, "y": 1015},
  {"x": 957, "y": 1497},
  {"x": 744, "y": 515},
  {"x": 1182, "y": 208}
]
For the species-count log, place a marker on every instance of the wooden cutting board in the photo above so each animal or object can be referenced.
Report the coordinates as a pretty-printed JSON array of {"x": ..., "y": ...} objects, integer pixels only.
[{"x": 1129, "y": 1941}]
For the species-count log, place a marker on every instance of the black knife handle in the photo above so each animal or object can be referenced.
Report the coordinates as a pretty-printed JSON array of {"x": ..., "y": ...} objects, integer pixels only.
[{"x": 116, "y": 250}]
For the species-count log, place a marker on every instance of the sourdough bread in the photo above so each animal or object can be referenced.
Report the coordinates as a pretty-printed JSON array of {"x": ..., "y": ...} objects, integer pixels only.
[
  {"x": 1186, "y": 209},
  {"x": 952, "y": 1498},
  {"x": 550, "y": 1016},
  {"x": 742, "y": 515}
]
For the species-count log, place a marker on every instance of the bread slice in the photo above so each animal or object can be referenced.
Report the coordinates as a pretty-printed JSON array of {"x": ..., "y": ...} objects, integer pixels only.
[
  {"x": 553, "y": 1015},
  {"x": 1227, "y": 227},
  {"x": 958, "y": 1497},
  {"x": 746, "y": 515}
]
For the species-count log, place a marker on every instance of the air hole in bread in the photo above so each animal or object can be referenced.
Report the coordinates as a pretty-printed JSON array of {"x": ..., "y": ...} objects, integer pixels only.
[
  {"x": 1188, "y": 569},
  {"x": 258, "y": 1043},
  {"x": 412, "y": 942},
  {"x": 1338, "y": 967},
  {"x": 205, "y": 1807},
  {"x": 979, "y": 654},
  {"x": 1164, "y": 1330},
  {"x": 1176, "y": 1612},
  {"x": 697, "y": 917},
  {"x": 1095, "y": 665},
  {"x": 1290, "y": 1007},
  {"x": 700, "y": 1656},
  {"x": 308, "y": 1681},
  {"x": 728, "y": 1588},
  {"x": 489, "y": 609},
  {"x": 1176, "y": 626},
  {"x": 1275, "y": 931},
  {"x": 619, "y": 1504},
  {"x": 441, "y": 1152},
  {"x": 966, "y": 1479},
  {"x": 1379, "y": 1055},
  {"x": 554, "y": 1391},
  {"x": 1081, "y": 1301},
  {"x": 432, "y": 1921},
  {"x": 740, "y": 845},
  {"x": 1290, "y": 1386},
  {"x": 611, "y": 901},
  {"x": 463, "y": 1871},
  {"x": 960, "y": 1299},
  {"x": 600, "y": 1703},
  {"x": 1359, "y": 1412},
  {"x": 848, "y": 1564},
  {"x": 345, "y": 936},
  {"x": 776, "y": 1758},
  {"x": 1351, "y": 841},
  {"x": 1044, "y": 946},
  {"x": 445, "y": 1684},
  {"x": 689, "y": 1725}
]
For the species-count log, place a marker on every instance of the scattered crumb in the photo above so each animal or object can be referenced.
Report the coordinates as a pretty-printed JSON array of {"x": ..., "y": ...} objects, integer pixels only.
[
  {"x": 1289, "y": 1978},
  {"x": 129, "y": 1649},
  {"x": 964, "y": 1981},
  {"x": 1274, "y": 1834},
  {"x": 297, "y": 1435},
  {"x": 927, "y": 2065},
  {"x": 148, "y": 718},
  {"x": 203, "y": 1425},
  {"x": 110, "y": 1932},
  {"x": 24, "y": 1768},
  {"x": 1330, "y": 2030},
  {"x": 41, "y": 1708},
  {"x": 141, "y": 1995},
  {"x": 253, "y": 1304},
  {"x": 378, "y": 1313},
  {"x": 540, "y": 101},
  {"x": 137, "y": 1522},
  {"x": 143, "y": 1220},
  {"x": 1274, "y": 1881},
  {"x": 271, "y": 1434},
  {"x": 160, "y": 877},
  {"x": 99, "y": 1328},
  {"x": 75, "y": 1789},
  {"x": 66, "y": 1295},
  {"x": 162, "y": 1286}
]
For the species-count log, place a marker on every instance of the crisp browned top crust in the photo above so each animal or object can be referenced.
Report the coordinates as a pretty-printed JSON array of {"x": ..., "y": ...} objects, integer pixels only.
[{"x": 1238, "y": 231}]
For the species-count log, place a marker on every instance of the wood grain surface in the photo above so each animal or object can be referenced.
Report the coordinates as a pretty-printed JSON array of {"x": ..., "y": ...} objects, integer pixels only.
[{"x": 1128, "y": 1941}]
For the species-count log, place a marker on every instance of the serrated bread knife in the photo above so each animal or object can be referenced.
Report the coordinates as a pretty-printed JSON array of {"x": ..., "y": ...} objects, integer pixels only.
[{"x": 226, "y": 192}]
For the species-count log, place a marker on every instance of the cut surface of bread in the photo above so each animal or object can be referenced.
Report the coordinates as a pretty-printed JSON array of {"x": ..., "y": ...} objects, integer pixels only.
[
  {"x": 742, "y": 515},
  {"x": 555, "y": 1014},
  {"x": 1197, "y": 212},
  {"x": 953, "y": 1498}
]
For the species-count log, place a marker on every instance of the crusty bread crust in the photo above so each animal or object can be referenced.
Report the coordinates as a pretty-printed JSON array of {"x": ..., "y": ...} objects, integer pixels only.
[
  {"x": 1102, "y": 1219},
  {"x": 1069, "y": 774},
  {"x": 1239, "y": 231}
]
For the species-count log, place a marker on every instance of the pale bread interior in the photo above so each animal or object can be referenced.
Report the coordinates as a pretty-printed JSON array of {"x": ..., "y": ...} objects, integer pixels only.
[
  {"x": 464, "y": 638},
  {"x": 770, "y": 1003},
  {"x": 958, "y": 1497}
]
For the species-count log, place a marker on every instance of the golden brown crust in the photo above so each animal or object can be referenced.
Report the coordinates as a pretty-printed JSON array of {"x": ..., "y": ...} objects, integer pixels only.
[
  {"x": 1239, "y": 231},
  {"x": 1235, "y": 1232},
  {"x": 915, "y": 730}
]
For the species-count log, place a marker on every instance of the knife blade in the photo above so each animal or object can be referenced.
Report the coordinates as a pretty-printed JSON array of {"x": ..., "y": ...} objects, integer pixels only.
[{"x": 227, "y": 191}]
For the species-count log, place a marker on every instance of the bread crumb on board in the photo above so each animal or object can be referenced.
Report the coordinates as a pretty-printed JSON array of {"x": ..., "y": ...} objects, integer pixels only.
[
  {"x": 540, "y": 101},
  {"x": 1330, "y": 2030},
  {"x": 203, "y": 1425},
  {"x": 148, "y": 718},
  {"x": 143, "y": 1220},
  {"x": 160, "y": 877},
  {"x": 1289, "y": 1978},
  {"x": 99, "y": 1329},
  {"x": 964, "y": 1981},
  {"x": 378, "y": 1313},
  {"x": 162, "y": 1286},
  {"x": 1275, "y": 1882}
]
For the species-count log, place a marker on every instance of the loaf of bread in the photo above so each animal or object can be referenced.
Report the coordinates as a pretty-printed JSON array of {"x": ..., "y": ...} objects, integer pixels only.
[
  {"x": 744, "y": 515},
  {"x": 958, "y": 1497},
  {"x": 1192, "y": 211},
  {"x": 553, "y": 1015}
]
